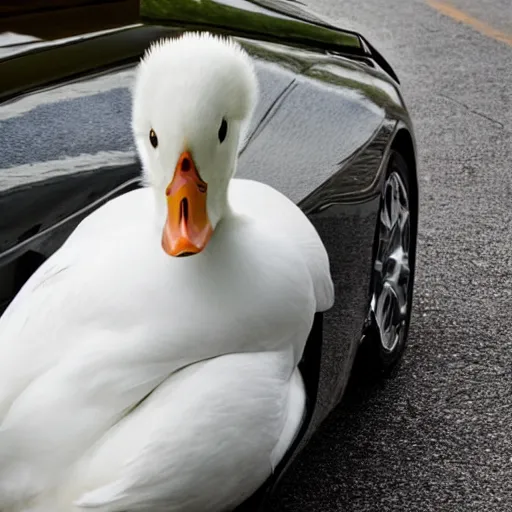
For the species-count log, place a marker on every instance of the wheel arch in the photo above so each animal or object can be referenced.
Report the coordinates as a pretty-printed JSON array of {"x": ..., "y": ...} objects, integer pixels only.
[{"x": 404, "y": 144}]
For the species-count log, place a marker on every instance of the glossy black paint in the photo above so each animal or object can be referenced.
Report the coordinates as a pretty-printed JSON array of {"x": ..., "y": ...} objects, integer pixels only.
[{"x": 329, "y": 113}]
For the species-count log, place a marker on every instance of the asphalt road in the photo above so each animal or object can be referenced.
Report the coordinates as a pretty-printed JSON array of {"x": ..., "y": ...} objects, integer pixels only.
[{"x": 438, "y": 436}]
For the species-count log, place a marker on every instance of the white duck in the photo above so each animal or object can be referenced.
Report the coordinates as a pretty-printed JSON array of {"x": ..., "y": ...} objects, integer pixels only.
[{"x": 134, "y": 380}]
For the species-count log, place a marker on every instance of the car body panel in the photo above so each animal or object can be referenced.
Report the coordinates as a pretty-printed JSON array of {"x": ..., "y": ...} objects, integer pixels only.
[
  {"x": 248, "y": 18},
  {"x": 327, "y": 118},
  {"x": 54, "y": 44}
]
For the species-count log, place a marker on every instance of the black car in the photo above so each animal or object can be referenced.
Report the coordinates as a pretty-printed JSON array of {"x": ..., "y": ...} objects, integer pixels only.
[{"x": 331, "y": 132}]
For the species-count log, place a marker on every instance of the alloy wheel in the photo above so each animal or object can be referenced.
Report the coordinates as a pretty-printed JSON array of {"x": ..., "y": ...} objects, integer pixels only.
[{"x": 391, "y": 272}]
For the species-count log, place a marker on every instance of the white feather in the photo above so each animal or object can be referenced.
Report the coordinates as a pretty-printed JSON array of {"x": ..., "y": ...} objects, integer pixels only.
[{"x": 127, "y": 376}]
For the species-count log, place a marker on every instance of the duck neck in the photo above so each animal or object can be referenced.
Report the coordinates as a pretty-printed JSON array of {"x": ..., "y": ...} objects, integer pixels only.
[
  {"x": 225, "y": 208},
  {"x": 219, "y": 206}
]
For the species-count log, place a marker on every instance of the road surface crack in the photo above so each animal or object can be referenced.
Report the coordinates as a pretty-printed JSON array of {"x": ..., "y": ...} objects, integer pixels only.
[{"x": 471, "y": 110}]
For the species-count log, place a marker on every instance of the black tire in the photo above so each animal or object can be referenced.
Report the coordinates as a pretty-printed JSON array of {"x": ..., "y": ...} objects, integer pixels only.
[{"x": 377, "y": 357}]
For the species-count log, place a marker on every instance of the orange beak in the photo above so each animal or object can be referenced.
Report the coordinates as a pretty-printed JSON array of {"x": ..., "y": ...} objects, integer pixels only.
[{"x": 187, "y": 229}]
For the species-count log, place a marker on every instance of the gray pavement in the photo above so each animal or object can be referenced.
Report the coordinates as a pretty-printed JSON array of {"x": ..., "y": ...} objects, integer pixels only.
[{"x": 437, "y": 436}]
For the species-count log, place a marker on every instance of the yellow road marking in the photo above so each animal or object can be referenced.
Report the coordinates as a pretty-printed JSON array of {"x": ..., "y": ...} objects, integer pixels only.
[{"x": 457, "y": 15}]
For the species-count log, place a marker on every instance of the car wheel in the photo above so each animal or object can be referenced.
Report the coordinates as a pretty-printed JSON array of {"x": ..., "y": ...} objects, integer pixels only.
[{"x": 385, "y": 333}]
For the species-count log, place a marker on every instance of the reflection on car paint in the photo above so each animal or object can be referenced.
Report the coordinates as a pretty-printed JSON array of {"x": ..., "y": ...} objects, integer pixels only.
[
  {"x": 119, "y": 78},
  {"x": 359, "y": 178}
]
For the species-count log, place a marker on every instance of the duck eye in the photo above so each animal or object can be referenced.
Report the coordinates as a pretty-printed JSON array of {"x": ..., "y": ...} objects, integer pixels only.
[
  {"x": 153, "y": 138},
  {"x": 223, "y": 130}
]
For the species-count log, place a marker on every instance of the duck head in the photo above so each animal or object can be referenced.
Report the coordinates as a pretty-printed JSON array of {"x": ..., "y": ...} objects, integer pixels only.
[{"x": 193, "y": 97}]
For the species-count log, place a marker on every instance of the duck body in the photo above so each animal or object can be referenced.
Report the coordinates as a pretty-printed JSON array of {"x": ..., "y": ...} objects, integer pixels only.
[
  {"x": 130, "y": 380},
  {"x": 195, "y": 444}
]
